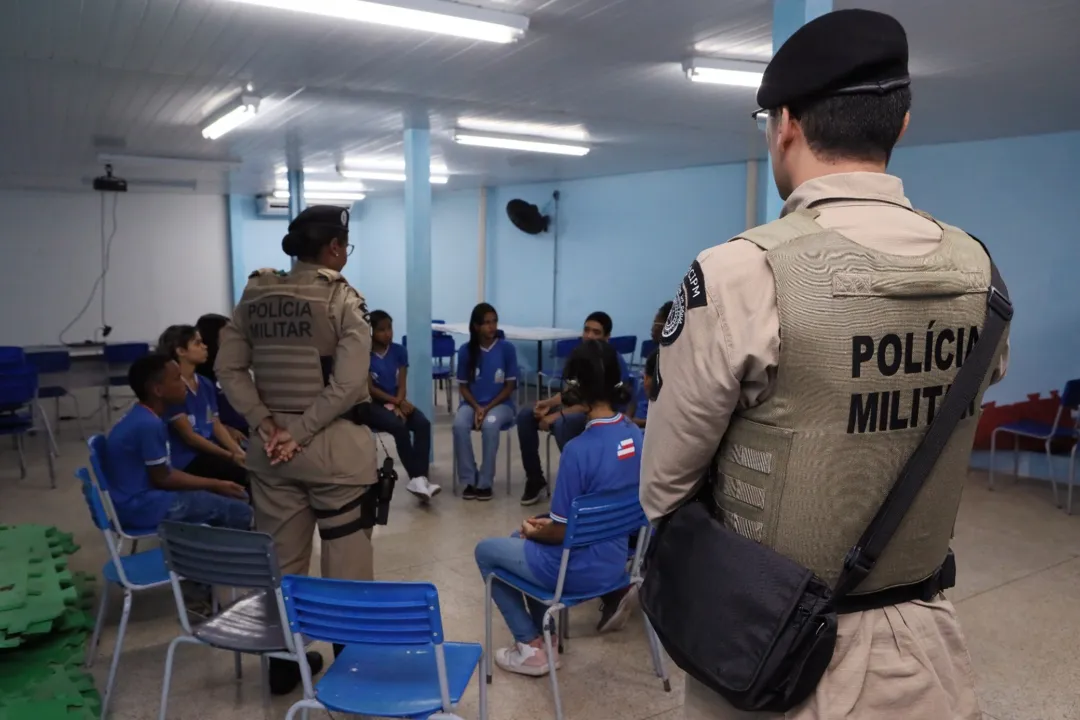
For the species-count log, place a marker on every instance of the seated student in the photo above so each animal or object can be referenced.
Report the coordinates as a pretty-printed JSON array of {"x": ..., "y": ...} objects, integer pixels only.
[
  {"x": 638, "y": 410},
  {"x": 487, "y": 377},
  {"x": 144, "y": 486},
  {"x": 565, "y": 423},
  {"x": 390, "y": 411},
  {"x": 200, "y": 443},
  {"x": 209, "y": 327},
  {"x": 604, "y": 457},
  {"x": 660, "y": 320}
]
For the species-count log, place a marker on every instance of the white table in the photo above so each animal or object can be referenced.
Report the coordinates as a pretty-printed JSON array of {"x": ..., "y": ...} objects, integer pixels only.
[{"x": 539, "y": 335}]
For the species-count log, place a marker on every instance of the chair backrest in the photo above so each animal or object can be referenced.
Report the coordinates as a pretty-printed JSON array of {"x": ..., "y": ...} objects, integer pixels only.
[
  {"x": 94, "y": 501},
  {"x": 355, "y": 612},
  {"x": 609, "y": 515},
  {"x": 563, "y": 348},
  {"x": 1070, "y": 396},
  {"x": 98, "y": 458},
  {"x": 18, "y": 386},
  {"x": 625, "y": 344},
  {"x": 647, "y": 347},
  {"x": 50, "y": 361},
  {"x": 220, "y": 556},
  {"x": 125, "y": 353},
  {"x": 443, "y": 346},
  {"x": 11, "y": 357}
]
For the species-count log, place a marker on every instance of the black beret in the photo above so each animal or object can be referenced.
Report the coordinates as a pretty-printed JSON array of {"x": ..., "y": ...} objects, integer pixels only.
[
  {"x": 845, "y": 52},
  {"x": 330, "y": 216}
]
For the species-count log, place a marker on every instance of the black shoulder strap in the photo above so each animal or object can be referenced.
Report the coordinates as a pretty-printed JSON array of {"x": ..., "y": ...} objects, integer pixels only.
[{"x": 862, "y": 558}]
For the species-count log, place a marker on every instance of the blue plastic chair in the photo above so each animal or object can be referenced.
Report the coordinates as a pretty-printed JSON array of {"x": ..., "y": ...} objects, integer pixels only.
[
  {"x": 563, "y": 348},
  {"x": 118, "y": 359},
  {"x": 134, "y": 573},
  {"x": 594, "y": 518},
  {"x": 647, "y": 348},
  {"x": 442, "y": 348},
  {"x": 395, "y": 662},
  {"x": 1064, "y": 427},
  {"x": 54, "y": 369},
  {"x": 12, "y": 357},
  {"x": 98, "y": 455},
  {"x": 18, "y": 399},
  {"x": 625, "y": 345}
]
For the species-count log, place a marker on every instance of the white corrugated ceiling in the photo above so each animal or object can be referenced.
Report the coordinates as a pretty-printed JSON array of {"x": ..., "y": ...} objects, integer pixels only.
[{"x": 139, "y": 76}]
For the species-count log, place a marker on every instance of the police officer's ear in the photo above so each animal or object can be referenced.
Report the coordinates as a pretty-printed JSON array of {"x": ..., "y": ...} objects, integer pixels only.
[
  {"x": 786, "y": 129},
  {"x": 903, "y": 128}
]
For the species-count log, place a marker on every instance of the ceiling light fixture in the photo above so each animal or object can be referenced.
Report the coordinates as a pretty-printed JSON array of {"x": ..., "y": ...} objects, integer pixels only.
[
  {"x": 385, "y": 175},
  {"x": 506, "y": 142},
  {"x": 231, "y": 116},
  {"x": 435, "y": 16},
  {"x": 318, "y": 186},
  {"x": 322, "y": 196},
  {"x": 740, "y": 73}
]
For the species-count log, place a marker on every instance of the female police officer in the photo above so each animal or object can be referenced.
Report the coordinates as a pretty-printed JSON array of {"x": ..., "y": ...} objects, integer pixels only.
[{"x": 293, "y": 360}]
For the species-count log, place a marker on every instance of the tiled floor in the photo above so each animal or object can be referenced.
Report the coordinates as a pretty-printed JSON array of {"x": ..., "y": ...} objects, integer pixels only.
[{"x": 1018, "y": 596}]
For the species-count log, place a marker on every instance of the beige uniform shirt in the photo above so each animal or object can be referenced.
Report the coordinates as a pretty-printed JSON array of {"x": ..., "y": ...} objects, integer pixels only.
[
  {"x": 728, "y": 351},
  {"x": 908, "y": 660}
]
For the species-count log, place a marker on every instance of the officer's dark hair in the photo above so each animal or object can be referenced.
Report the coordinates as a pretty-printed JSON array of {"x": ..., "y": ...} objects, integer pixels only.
[
  {"x": 650, "y": 364},
  {"x": 475, "y": 321},
  {"x": 594, "y": 374},
  {"x": 147, "y": 371},
  {"x": 305, "y": 243},
  {"x": 378, "y": 317},
  {"x": 665, "y": 309},
  {"x": 853, "y": 127},
  {"x": 174, "y": 339},
  {"x": 603, "y": 319}
]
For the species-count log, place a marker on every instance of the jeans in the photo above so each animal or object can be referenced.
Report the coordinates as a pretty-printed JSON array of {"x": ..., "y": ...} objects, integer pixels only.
[
  {"x": 201, "y": 507},
  {"x": 217, "y": 467},
  {"x": 497, "y": 420},
  {"x": 412, "y": 436},
  {"x": 565, "y": 429},
  {"x": 524, "y": 616}
]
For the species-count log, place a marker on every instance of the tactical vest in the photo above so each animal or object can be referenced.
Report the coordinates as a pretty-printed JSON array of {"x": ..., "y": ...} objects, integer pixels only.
[
  {"x": 870, "y": 343},
  {"x": 290, "y": 322}
]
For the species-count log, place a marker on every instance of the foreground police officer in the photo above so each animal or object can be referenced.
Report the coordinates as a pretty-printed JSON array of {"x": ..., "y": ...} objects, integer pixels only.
[
  {"x": 803, "y": 360},
  {"x": 293, "y": 360}
]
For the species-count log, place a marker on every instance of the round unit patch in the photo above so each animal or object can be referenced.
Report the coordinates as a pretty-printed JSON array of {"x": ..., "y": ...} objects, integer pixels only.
[
  {"x": 675, "y": 319},
  {"x": 345, "y": 218}
]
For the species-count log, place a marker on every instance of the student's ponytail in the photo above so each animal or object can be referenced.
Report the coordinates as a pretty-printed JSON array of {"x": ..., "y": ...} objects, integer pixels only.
[{"x": 593, "y": 375}]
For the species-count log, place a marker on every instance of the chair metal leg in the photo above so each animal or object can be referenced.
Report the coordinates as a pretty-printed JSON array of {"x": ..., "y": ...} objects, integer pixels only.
[
  {"x": 264, "y": 672},
  {"x": 1071, "y": 478},
  {"x": 52, "y": 467},
  {"x": 483, "y": 687},
  {"x": 657, "y": 653},
  {"x": 509, "y": 453},
  {"x": 167, "y": 681},
  {"x": 48, "y": 426},
  {"x": 550, "y": 648},
  {"x": 1050, "y": 473},
  {"x": 117, "y": 651},
  {"x": 487, "y": 629},
  {"x": 95, "y": 638},
  {"x": 22, "y": 456},
  {"x": 78, "y": 416},
  {"x": 238, "y": 662}
]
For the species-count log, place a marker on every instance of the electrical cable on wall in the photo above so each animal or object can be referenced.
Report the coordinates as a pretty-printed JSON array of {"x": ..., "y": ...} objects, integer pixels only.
[{"x": 100, "y": 282}]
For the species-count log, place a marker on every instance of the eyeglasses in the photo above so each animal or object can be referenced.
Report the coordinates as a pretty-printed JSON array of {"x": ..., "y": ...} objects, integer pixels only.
[
  {"x": 349, "y": 247},
  {"x": 761, "y": 117}
]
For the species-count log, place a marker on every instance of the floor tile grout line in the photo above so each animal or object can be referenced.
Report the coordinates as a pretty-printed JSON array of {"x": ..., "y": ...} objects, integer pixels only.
[{"x": 1019, "y": 579}]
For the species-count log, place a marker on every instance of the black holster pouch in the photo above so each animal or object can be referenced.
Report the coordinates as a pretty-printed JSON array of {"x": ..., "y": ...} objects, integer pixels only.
[
  {"x": 384, "y": 491},
  {"x": 757, "y": 627}
]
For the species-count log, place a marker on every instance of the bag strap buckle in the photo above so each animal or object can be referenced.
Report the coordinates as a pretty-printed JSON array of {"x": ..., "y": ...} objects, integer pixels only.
[
  {"x": 1000, "y": 304},
  {"x": 857, "y": 566}
]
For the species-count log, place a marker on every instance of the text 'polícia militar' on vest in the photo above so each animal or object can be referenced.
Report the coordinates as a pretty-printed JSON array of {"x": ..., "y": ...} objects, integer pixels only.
[
  {"x": 279, "y": 317},
  {"x": 910, "y": 354}
]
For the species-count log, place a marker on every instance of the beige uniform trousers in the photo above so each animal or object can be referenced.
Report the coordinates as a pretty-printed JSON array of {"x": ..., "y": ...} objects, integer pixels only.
[
  {"x": 907, "y": 661},
  {"x": 290, "y": 510}
]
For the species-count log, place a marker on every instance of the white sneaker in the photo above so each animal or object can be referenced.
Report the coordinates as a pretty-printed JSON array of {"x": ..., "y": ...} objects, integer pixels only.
[
  {"x": 433, "y": 488},
  {"x": 418, "y": 486},
  {"x": 525, "y": 660}
]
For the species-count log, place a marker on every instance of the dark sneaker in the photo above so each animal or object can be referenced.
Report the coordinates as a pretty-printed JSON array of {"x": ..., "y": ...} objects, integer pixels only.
[
  {"x": 615, "y": 609},
  {"x": 285, "y": 674},
  {"x": 483, "y": 494},
  {"x": 534, "y": 488},
  {"x": 469, "y": 493}
]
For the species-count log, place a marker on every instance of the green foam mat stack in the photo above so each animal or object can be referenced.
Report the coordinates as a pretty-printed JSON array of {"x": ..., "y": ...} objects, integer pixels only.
[{"x": 45, "y": 623}]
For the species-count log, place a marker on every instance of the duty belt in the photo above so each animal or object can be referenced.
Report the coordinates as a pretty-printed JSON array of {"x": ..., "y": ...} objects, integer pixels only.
[{"x": 925, "y": 590}]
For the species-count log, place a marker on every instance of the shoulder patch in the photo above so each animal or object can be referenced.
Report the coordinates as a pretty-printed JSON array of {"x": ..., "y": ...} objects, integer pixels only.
[
  {"x": 691, "y": 295},
  {"x": 675, "y": 320},
  {"x": 694, "y": 284},
  {"x": 330, "y": 275}
]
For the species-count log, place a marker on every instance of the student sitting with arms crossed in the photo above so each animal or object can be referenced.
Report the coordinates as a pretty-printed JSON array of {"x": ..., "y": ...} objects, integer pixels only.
[
  {"x": 565, "y": 422},
  {"x": 390, "y": 411},
  {"x": 604, "y": 457},
  {"x": 144, "y": 486},
  {"x": 487, "y": 377},
  {"x": 201, "y": 444}
]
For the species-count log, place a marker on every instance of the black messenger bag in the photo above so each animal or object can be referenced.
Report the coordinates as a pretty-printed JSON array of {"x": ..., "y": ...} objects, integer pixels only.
[{"x": 758, "y": 628}]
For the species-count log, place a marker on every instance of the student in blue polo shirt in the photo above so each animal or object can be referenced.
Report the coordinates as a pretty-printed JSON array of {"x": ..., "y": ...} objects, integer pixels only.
[
  {"x": 144, "y": 486},
  {"x": 391, "y": 412},
  {"x": 606, "y": 456},
  {"x": 487, "y": 376},
  {"x": 638, "y": 409},
  {"x": 200, "y": 442}
]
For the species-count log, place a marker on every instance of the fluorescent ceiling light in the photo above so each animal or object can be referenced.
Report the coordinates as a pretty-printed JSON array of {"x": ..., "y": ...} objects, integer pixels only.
[
  {"x": 740, "y": 73},
  {"x": 322, "y": 196},
  {"x": 435, "y": 16},
  {"x": 573, "y": 133},
  {"x": 156, "y": 160},
  {"x": 316, "y": 186},
  {"x": 386, "y": 175},
  {"x": 231, "y": 116},
  {"x": 517, "y": 143}
]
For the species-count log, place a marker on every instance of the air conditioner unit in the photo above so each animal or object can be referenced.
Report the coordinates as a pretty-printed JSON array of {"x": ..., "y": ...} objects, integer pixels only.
[{"x": 269, "y": 206}]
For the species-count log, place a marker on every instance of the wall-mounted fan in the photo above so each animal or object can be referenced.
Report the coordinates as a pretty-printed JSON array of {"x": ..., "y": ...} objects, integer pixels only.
[{"x": 527, "y": 217}]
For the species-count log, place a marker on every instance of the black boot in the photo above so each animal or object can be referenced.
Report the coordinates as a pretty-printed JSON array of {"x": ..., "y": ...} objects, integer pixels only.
[{"x": 285, "y": 674}]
